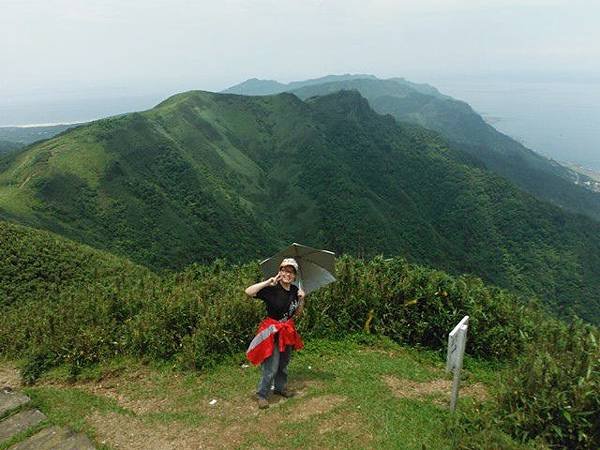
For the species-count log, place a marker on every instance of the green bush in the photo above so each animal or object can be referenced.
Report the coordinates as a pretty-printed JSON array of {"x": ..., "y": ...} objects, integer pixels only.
[
  {"x": 419, "y": 306},
  {"x": 202, "y": 314},
  {"x": 554, "y": 390}
]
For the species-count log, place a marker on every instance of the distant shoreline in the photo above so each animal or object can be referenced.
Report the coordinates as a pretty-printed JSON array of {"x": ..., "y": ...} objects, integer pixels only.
[{"x": 37, "y": 125}]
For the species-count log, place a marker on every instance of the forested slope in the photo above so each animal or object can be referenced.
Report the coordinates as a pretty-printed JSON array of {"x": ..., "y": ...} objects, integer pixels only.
[
  {"x": 207, "y": 175},
  {"x": 462, "y": 127}
]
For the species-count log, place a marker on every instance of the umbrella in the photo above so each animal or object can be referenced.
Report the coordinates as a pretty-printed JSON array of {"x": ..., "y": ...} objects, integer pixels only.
[{"x": 316, "y": 267}]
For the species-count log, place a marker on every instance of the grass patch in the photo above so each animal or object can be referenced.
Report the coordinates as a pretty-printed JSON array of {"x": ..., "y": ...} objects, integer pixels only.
[{"x": 343, "y": 401}]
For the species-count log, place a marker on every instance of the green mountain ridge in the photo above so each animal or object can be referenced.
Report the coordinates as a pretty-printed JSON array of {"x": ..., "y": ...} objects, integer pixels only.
[
  {"x": 255, "y": 86},
  {"x": 423, "y": 105},
  {"x": 206, "y": 175}
]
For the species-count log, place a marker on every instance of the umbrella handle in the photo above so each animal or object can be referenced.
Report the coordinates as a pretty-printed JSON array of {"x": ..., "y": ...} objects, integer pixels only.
[
  {"x": 300, "y": 278},
  {"x": 300, "y": 286}
]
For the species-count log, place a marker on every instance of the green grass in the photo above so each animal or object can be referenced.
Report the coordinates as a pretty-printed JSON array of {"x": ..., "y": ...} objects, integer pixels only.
[
  {"x": 343, "y": 402},
  {"x": 80, "y": 154}
]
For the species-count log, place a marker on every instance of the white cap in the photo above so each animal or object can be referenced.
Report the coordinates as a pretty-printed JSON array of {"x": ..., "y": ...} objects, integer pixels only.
[{"x": 289, "y": 262}]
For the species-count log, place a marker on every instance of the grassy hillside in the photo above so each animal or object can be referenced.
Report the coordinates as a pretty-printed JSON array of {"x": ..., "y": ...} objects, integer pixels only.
[
  {"x": 127, "y": 185},
  {"x": 423, "y": 105},
  {"x": 91, "y": 335},
  {"x": 209, "y": 175}
]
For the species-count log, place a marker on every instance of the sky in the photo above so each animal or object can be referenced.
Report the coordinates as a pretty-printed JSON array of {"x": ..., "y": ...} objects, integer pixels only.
[{"x": 64, "y": 48}]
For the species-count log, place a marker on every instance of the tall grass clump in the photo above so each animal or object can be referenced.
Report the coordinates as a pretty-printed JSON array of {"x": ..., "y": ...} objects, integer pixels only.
[
  {"x": 550, "y": 397},
  {"x": 419, "y": 306},
  {"x": 197, "y": 316},
  {"x": 201, "y": 317},
  {"x": 554, "y": 390}
]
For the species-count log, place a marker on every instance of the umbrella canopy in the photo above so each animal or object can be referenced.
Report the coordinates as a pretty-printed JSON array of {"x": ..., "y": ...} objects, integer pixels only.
[{"x": 316, "y": 267}]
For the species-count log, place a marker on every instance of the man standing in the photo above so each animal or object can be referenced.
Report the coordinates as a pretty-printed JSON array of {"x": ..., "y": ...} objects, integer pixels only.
[{"x": 277, "y": 336}]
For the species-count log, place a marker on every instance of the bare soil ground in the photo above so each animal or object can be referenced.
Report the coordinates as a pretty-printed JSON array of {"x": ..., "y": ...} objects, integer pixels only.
[
  {"x": 228, "y": 424},
  {"x": 438, "y": 390},
  {"x": 9, "y": 376}
]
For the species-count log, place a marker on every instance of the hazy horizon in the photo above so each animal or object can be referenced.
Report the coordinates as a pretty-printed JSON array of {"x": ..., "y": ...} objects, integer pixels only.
[
  {"x": 67, "y": 61},
  {"x": 144, "y": 46}
]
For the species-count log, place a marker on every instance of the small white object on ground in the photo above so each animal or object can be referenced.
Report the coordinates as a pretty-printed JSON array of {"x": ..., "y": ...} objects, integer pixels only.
[
  {"x": 309, "y": 367},
  {"x": 213, "y": 402},
  {"x": 245, "y": 366}
]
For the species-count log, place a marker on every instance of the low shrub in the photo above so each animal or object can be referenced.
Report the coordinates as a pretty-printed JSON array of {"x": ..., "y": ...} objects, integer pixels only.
[
  {"x": 554, "y": 390},
  {"x": 419, "y": 306},
  {"x": 202, "y": 314}
]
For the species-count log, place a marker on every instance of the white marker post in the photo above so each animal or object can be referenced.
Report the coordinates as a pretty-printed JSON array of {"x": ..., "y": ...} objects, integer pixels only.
[{"x": 456, "y": 351}]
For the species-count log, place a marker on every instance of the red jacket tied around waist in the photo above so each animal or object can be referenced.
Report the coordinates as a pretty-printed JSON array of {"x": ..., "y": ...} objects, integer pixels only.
[{"x": 263, "y": 343}]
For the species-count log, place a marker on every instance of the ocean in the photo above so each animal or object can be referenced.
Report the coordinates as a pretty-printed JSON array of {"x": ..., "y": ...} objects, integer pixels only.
[
  {"x": 557, "y": 119},
  {"x": 71, "y": 109}
]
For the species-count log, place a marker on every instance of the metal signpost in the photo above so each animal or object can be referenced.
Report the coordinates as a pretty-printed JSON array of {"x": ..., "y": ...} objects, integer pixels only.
[{"x": 456, "y": 351}]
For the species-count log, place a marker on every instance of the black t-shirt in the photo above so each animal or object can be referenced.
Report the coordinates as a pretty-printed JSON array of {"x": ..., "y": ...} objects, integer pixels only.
[{"x": 281, "y": 304}]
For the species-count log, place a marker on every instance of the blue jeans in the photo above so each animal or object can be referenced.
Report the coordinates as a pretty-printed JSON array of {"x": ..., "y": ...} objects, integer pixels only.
[{"x": 274, "y": 369}]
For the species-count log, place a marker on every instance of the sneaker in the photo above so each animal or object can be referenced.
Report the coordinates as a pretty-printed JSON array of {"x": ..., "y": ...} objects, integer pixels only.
[
  {"x": 285, "y": 393},
  {"x": 262, "y": 403}
]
